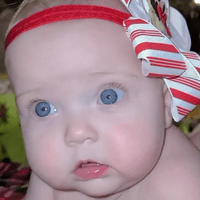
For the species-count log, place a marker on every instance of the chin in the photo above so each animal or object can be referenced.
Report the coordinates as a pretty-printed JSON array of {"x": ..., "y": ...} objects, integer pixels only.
[
  {"x": 98, "y": 189},
  {"x": 99, "y": 194}
]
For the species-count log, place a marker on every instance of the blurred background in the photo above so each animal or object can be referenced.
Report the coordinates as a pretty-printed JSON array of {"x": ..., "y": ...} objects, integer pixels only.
[{"x": 190, "y": 9}]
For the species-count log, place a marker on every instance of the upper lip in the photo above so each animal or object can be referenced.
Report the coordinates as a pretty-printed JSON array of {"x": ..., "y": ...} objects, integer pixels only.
[{"x": 86, "y": 161}]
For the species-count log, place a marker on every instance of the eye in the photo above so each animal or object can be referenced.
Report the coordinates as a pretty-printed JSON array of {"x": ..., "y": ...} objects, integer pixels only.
[
  {"x": 111, "y": 96},
  {"x": 42, "y": 109}
]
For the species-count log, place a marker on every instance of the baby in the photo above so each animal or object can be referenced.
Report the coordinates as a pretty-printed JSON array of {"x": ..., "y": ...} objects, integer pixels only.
[{"x": 94, "y": 126}]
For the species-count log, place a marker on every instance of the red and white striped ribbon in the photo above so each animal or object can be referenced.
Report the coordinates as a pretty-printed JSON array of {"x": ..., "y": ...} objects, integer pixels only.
[{"x": 164, "y": 60}]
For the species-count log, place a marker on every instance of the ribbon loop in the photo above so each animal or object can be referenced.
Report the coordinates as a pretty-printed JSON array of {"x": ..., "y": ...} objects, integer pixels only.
[{"x": 161, "y": 59}]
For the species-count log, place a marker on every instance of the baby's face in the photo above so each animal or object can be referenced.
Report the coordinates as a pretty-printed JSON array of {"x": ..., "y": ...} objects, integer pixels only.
[{"x": 102, "y": 108}]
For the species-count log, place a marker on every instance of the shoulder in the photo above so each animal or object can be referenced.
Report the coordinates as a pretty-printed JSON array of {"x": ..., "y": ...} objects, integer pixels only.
[
  {"x": 179, "y": 182},
  {"x": 179, "y": 170}
]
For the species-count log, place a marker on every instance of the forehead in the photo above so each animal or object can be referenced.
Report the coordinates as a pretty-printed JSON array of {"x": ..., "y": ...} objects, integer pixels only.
[{"x": 72, "y": 49}]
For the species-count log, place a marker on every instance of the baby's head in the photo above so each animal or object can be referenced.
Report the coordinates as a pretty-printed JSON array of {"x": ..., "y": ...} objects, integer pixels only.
[{"x": 82, "y": 97}]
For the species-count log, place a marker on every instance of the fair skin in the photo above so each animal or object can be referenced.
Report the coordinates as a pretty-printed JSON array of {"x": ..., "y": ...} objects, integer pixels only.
[{"x": 70, "y": 64}]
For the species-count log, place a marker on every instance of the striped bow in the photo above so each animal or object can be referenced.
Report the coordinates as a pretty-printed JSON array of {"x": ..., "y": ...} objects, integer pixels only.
[{"x": 161, "y": 59}]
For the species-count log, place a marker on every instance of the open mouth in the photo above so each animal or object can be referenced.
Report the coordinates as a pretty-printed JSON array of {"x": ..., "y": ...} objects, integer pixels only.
[
  {"x": 89, "y": 164},
  {"x": 87, "y": 170}
]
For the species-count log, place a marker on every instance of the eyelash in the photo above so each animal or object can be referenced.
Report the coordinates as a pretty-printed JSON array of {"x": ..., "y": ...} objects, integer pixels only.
[
  {"x": 33, "y": 101},
  {"x": 116, "y": 85},
  {"x": 110, "y": 85}
]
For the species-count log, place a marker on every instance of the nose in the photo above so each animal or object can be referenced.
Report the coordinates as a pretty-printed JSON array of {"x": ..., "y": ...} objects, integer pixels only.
[{"x": 80, "y": 130}]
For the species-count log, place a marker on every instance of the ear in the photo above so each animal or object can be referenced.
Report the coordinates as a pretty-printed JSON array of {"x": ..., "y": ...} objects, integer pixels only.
[{"x": 167, "y": 105}]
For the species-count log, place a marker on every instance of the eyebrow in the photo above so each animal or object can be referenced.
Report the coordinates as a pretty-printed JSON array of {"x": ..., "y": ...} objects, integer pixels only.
[
  {"x": 25, "y": 93},
  {"x": 94, "y": 73},
  {"x": 91, "y": 74},
  {"x": 101, "y": 73},
  {"x": 113, "y": 73}
]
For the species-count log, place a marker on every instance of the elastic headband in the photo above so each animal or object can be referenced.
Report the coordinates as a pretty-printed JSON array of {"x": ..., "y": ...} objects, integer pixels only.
[
  {"x": 64, "y": 13},
  {"x": 154, "y": 38}
]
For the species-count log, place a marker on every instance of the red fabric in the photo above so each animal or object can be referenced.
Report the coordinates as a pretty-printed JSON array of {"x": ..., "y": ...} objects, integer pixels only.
[
  {"x": 134, "y": 21},
  {"x": 163, "y": 17},
  {"x": 13, "y": 181},
  {"x": 155, "y": 46},
  {"x": 139, "y": 32},
  {"x": 185, "y": 96},
  {"x": 65, "y": 12}
]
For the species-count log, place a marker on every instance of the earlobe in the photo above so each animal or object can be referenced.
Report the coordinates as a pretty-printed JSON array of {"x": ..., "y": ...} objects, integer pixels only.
[{"x": 167, "y": 105}]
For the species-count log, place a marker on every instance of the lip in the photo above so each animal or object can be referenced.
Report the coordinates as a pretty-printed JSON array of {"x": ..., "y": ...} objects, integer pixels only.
[{"x": 92, "y": 171}]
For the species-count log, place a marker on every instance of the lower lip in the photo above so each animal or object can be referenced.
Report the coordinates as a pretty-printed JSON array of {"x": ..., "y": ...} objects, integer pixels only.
[{"x": 89, "y": 173}]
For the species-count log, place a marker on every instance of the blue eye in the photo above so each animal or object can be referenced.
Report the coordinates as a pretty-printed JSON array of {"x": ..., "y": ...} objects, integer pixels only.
[
  {"x": 111, "y": 96},
  {"x": 43, "y": 109}
]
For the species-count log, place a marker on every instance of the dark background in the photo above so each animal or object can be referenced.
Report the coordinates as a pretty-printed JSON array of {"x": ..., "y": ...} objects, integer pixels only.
[{"x": 191, "y": 12}]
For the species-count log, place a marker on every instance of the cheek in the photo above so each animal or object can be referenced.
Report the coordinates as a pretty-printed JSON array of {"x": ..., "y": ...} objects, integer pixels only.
[
  {"x": 134, "y": 148},
  {"x": 42, "y": 151},
  {"x": 48, "y": 159}
]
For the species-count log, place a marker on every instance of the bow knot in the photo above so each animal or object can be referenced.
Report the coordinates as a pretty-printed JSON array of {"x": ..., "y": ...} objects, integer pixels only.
[{"x": 161, "y": 59}]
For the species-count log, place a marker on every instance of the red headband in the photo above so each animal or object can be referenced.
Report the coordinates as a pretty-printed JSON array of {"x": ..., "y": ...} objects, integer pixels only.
[{"x": 65, "y": 12}]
